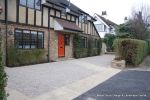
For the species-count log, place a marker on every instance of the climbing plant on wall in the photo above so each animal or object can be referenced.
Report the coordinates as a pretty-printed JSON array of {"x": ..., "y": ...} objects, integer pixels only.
[{"x": 93, "y": 47}]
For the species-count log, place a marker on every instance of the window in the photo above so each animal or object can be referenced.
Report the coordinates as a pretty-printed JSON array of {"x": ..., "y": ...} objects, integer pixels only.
[
  {"x": 99, "y": 27},
  {"x": 30, "y": 3},
  {"x": 27, "y": 39},
  {"x": 34, "y": 4},
  {"x": 83, "y": 18},
  {"x": 84, "y": 42},
  {"x": 23, "y": 2},
  {"x": 38, "y": 4},
  {"x": 34, "y": 39},
  {"x": 67, "y": 39}
]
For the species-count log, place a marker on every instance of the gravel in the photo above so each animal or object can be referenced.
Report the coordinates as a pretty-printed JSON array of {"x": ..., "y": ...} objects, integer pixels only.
[{"x": 38, "y": 79}]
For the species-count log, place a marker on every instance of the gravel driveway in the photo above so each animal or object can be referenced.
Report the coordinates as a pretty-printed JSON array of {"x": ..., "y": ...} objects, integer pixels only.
[{"x": 38, "y": 79}]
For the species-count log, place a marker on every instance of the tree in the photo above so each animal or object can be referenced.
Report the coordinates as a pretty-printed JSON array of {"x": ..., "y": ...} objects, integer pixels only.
[
  {"x": 108, "y": 40},
  {"x": 139, "y": 23}
]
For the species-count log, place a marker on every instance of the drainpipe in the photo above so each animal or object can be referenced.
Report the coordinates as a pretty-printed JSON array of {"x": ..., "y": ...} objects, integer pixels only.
[{"x": 49, "y": 42}]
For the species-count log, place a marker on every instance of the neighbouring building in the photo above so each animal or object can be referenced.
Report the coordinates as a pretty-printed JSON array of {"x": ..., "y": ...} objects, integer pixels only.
[
  {"x": 36, "y": 31},
  {"x": 104, "y": 26}
]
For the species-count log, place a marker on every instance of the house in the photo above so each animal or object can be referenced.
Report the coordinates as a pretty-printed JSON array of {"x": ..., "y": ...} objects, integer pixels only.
[
  {"x": 104, "y": 25},
  {"x": 46, "y": 25}
]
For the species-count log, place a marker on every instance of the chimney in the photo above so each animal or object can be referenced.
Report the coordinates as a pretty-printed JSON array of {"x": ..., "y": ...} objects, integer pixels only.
[
  {"x": 125, "y": 19},
  {"x": 104, "y": 14}
]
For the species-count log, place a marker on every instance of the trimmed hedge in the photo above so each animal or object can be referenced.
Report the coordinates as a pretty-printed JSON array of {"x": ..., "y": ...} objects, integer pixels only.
[
  {"x": 3, "y": 78},
  {"x": 132, "y": 50},
  {"x": 18, "y": 57},
  {"x": 148, "y": 41}
]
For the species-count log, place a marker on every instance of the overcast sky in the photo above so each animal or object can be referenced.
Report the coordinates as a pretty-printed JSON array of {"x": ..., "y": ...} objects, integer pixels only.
[{"x": 116, "y": 9}]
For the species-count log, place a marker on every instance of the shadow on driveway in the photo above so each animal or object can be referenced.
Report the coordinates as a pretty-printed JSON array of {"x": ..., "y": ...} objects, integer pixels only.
[{"x": 127, "y": 85}]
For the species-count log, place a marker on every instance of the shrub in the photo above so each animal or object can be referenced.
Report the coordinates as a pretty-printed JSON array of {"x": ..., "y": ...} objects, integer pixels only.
[
  {"x": 91, "y": 50},
  {"x": 18, "y": 57},
  {"x": 125, "y": 35},
  {"x": 78, "y": 51},
  {"x": 148, "y": 41},
  {"x": 108, "y": 40},
  {"x": 3, "y": 78},
  {"x": 93, "y": 47},
  {"x": 132, "y": 50}
]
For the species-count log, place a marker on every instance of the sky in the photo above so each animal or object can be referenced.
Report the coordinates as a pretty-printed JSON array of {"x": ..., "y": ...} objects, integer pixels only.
[{"x": 117, "y": 10}]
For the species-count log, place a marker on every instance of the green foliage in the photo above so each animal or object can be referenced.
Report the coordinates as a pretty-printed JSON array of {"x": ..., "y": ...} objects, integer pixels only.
[
  {"x": 3, "y": 78},
  {"x": 93, "y": 47},
  {"x": 148, "y": 41},
  {"x": 134, "y": 29},
  {"x": 132, "y": 50},
  {"x": 78, "y": 51},
  {"x": 123, "y": 28},
  {"x": 125, "y": 35},
  {"x": 18, "y": 57},
  {"x": 91, "y": 50},
  {"x": 99, "y": 46},
  {"x": 108, "y": 39}
]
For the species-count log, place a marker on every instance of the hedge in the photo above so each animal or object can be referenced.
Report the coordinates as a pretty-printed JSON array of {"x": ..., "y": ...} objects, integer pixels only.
[
  {"x": 3, "y": 78},
  {"x": 132, "y": 50},
  {"x": 18, "y": 57},
  {"x": 148, "y": 41}
]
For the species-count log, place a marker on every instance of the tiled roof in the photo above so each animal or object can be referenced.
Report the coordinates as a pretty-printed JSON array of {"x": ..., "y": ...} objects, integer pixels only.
[
  {"x": 68, "y": 25},
  {"x": 107, "y": 21},
  {"x": 72, "y": 7},
  {"x": 65, "y": 3}
]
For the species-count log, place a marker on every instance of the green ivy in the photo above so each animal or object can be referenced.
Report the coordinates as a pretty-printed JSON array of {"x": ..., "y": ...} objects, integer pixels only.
[{"x": 91, "y": 50}]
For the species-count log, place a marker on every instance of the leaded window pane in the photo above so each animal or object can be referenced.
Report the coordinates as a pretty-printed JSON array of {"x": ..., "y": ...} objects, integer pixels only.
[
  {"x": 37, "y": 4},
  {"x": 23, "y": 2},
  {"x": 29, "y": 39},
  {"x": 30, "y": 3},
  {"x": 33, "y": 39},
  {"x": 18, "y": 39},
  {"x": 40, "y": 40},
  {"x": 26, "y": 39}
]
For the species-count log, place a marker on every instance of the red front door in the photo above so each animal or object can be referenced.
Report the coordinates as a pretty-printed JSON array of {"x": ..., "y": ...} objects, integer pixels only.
[{"x": 61, "y": 45}]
